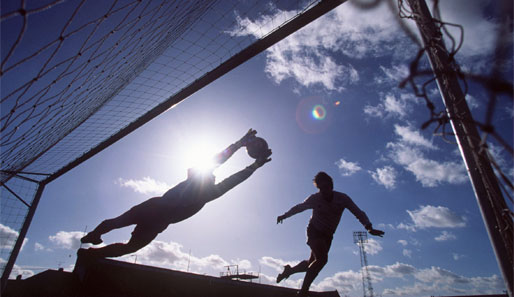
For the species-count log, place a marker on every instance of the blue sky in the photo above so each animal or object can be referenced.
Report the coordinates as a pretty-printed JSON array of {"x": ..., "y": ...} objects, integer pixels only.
[{"x": 411, "y": 183}]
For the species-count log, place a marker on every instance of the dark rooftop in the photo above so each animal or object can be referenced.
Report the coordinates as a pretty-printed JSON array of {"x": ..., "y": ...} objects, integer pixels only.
[{"x": 106, "y": 277}]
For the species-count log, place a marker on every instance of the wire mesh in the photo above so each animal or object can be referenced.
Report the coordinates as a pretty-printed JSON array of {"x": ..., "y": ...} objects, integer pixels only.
[
  {"x": 76, "y": 72},
  {"x": 13, "y": 211},
  {"x": 94, "y": 76}
]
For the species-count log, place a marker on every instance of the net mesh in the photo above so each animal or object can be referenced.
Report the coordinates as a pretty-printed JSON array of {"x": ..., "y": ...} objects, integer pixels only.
[{"x": 76, "y": 72}]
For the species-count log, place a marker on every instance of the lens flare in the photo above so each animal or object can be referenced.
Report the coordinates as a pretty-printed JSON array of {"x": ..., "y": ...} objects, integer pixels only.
[
  {"x": 313, "y": 115},
  {"x": 319, "y": 112}
]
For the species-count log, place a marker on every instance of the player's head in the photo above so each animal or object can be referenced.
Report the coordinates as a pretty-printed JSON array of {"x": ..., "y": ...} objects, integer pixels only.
[{"x": 323, "y": 181}]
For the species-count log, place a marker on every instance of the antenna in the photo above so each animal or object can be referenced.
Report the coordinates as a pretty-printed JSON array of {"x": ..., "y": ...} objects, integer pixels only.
[
  {"x": 360, "y": 238},
  {"x": 188, "y": 260}
]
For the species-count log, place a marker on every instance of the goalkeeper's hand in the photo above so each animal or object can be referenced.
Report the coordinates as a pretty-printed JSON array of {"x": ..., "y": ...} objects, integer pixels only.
[
  {"x": 265, "y": 158},
  {"x": 247, "y": 137}
]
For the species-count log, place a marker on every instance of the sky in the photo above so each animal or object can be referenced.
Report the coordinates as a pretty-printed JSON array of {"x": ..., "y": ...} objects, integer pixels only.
[{"x": 326, "y": 98}]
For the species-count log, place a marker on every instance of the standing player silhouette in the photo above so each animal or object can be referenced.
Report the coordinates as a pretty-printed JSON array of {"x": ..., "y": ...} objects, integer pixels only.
[{"x": 327, "y": 208}]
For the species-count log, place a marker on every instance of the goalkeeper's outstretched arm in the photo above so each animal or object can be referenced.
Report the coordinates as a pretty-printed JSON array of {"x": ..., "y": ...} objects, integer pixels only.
[
  {"x": 223, "y": 156},
  {"x": 238, "y": 177}
]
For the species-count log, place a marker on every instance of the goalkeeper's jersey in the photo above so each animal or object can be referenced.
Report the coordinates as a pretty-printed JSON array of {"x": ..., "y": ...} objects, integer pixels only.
[{"x": 326, "y": 215}]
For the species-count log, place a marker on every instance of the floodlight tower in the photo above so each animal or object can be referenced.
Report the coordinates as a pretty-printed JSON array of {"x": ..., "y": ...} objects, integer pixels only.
[{"x": 360, "y": 238}]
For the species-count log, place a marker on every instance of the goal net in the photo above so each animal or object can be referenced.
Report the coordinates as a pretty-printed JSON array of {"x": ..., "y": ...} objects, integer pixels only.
[{"x": 78, "y": 75}]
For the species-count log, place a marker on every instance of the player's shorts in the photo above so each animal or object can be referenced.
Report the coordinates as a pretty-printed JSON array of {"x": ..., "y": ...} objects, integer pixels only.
[
  {"x": 146, "y": 233},
  {"x": 314, "y": 234},
  {"x": 149, "y": 217}
]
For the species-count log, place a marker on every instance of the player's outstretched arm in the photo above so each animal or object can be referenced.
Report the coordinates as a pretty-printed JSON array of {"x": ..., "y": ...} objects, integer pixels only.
[
  {"x": 374, "y": 232},
  {"x": 280, "y": 219},
  {"x": 231, "y": 149},
  {"x": 238, "y": 177},
  {"x": 307, "y": 204}
]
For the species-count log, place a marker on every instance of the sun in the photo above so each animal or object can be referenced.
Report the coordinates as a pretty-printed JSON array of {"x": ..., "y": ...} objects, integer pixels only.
[
  {"x": 200, "y": 158},
  {"x": 198, "y": 151},
  {"x": 199, "y": 154}
]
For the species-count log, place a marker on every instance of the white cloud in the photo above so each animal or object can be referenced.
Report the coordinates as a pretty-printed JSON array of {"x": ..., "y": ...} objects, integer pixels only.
[
  {"x": 171, "y": 255},
  {"x": 437, "y": 281},
  {"x": 436, "y": 217},
  {"x": 242, "y": 264},
  {"x": 385, "y": 176},
  {"x": 391, "y": 106},
  {"x": 306, "y": 69},
  {"x": 403, "y": 242},
  {"x": 429, "y": 173},
  {"x": 415, "y": 242},
  {"x": 271, "y": 280},
  {"x": 347, "y": 168},
  {"x": 344, "y": 282},
  {"x": 277, "y": 264},
  {"x": 374, "y": 111},
  {"x": 407, "y": 253},
  {"x": 445, "y": 235},
  {"x": 372, "y": 247},
  {"x": 262, "y": 26},
  {"x": 472, "y": 102},
  {"x": 147, "y": 185},
  {"x": 67, "y": 240},
  {"x": 18, "y": 270},
  {"x": 414, "y": 290},
  {"x": 439, "y": 275},
  {"x": 383, "y": 226},
  {"x": 406, "y": 227},
  {"x": 499, "y": 155},
  {"x": 509, "y": 110},
  {"x": 487, "y": 284},
  {"x": 426, "y": 281},
  {"x": 39, "y": 247},
  {"x": 306, "y": 55},
  {"x": 398, "y": 270},
  {"x": 410, "y": 135},
  {"x": 392, "y": 75},
  {"x": 497, "y": 152},
  {"x": 395, "y": 106},
  {"x": 457, "y": 257},
  {"x": 8, "y": 237}
]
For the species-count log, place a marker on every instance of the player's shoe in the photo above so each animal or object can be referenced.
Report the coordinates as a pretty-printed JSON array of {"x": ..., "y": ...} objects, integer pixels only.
[
  {"x": 91, "y": 238},
  {"x": 285, "y": 274}
]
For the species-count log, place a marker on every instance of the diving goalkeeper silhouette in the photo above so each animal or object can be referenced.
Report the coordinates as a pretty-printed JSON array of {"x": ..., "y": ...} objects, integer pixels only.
[
  {"x": 153, "y": 216},
  {"x": 327, "y": 208}
]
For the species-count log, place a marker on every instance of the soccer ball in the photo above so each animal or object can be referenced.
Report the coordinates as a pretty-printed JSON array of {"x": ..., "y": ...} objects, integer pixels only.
[{"x": 257, "y": 147}]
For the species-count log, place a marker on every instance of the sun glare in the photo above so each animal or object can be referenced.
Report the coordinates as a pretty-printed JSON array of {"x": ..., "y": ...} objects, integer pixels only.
[
  {"x": 201, "y": 158},
  {"x": 197, "y": 151},
  {"x": 199, "y": 154}
]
